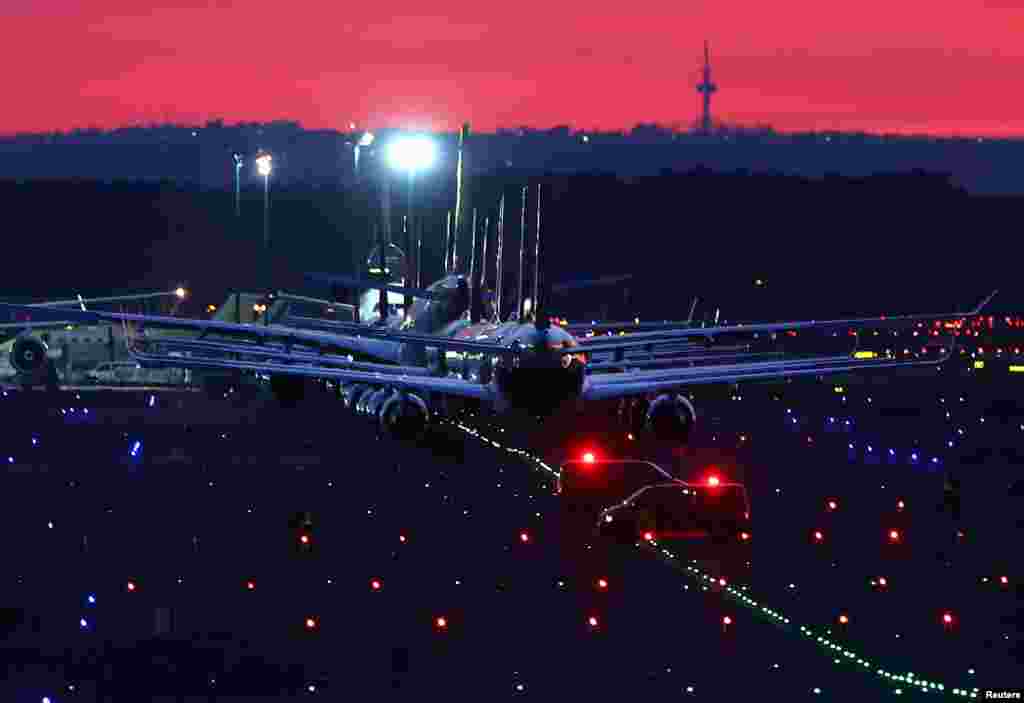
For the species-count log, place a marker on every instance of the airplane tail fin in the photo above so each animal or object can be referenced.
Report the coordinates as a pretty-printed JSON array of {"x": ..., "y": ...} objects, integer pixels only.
[{"x": 693, "y": 308}]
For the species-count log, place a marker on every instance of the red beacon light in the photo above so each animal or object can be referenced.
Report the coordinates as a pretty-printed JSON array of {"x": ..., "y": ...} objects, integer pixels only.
[
  {"x": 649, "y": 536},
  {"x": 589, "y": 458},
  {"x": 714, "y": 481}
]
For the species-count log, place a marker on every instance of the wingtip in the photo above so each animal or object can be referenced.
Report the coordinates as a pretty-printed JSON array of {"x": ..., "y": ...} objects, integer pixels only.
[{"x": 985, "y": 302}]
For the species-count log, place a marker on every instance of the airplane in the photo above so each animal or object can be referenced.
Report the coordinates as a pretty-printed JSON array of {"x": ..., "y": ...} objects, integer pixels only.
[
  {"x": 528, "y": 366},
  {"x": 71, "y": 344},
  {"x": 450, "y": 346}
]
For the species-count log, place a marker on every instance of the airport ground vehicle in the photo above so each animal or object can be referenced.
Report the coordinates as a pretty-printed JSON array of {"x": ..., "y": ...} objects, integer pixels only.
[{"x": 713, "y": 510}]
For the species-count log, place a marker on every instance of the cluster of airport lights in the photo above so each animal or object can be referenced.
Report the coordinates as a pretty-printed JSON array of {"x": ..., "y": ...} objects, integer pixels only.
[
  {"x": 835, "y": 648},
  {"x": 441, "y": 621}
]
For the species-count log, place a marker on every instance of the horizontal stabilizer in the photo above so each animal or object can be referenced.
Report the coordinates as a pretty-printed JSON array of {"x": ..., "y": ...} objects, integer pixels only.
[{"x": 370, "y": 284}]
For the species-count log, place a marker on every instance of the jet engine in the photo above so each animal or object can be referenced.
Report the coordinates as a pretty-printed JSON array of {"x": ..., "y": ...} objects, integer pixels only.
[
  {"x": 376, "y": 400},
  {"x": 28, "y": 355},
  {"x": 670, "y": 417},
  {"x": 404, "y": 416},
  {"x": 352, "y": 393}
]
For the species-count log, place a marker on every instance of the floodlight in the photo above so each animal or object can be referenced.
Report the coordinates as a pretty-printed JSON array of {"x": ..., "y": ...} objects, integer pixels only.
[{"x": 412, "y": 153}]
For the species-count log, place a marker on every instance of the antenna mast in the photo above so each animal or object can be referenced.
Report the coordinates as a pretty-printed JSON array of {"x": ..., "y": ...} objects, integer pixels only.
[{"x": 706, "y": 88}]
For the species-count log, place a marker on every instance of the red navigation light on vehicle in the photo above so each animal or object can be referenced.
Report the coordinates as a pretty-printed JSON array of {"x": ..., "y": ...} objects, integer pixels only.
[
  {"x": 589, "y": 458},
  {"x": 713, "y": 480}
]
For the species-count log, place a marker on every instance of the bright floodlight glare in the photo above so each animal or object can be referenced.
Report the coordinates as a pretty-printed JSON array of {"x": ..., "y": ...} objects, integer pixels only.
[
  {"x": 180, "y": 292},
  {"x": 264, "y": 164},
  {"x": 411, "y": 153}
]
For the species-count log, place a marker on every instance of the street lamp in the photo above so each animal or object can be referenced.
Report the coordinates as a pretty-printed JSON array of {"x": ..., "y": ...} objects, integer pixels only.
[
  {"x": 364, "y": 141},
  {"x": 264, "y": 165},
  {"x": 239, "y": 162},
  {"x": 412, "y": 154}
]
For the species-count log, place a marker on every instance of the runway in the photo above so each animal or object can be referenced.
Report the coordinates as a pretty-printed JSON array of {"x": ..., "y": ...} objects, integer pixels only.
[{"x": 213, "y": 500}]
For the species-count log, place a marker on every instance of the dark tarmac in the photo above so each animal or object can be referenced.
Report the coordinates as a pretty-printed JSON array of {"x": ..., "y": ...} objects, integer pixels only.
[{"x": 206, "y": 519}]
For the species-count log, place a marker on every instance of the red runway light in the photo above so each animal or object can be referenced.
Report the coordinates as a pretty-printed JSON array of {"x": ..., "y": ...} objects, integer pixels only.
[
  {"x": 844, "y": 619},
  {"x": 882, "y": 581},
  {"x": 602, "y": 584},
  {"x": 401, "y": 538},
  {"x": 745, "y": 536},
  {"x": 649, "y": 536},
  {"x": 592, "y": 621},
  {"x": 832, "y": 505},
  {"x": 894, "y": 536},
  {"x": 1004, "y": 580},
  {"x": 713, "y": 480},
  {"x": 589, "y": 458},
  {"x": 947, "y": 618},
  {"x": 304, "y": 539},
  {"x": 524, "y": 537},
  {"x": 818, "y": 536},
  {"x": 727, "y": 620},
  {"x": 375, "y": 584},
  {"x": 900, "y": 505},
  {"x": 131, "y": 585},
  {"x": 250, "y": 585},
  {"x": 441, "y": 623},
  {"x": 310, "y": 623}
]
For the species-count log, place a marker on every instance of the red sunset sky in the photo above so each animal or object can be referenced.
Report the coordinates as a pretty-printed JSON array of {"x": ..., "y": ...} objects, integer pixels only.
[{"x": 875, "y": 65}]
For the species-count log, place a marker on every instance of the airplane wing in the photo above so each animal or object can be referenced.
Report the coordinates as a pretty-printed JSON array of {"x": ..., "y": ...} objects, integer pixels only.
[
  {"x": 606, "y": 386},
  {"x": 644, "y": 339},
  {"x": 402, "y": 376},
  {"x": 410, "y": 378},
  {"x": 56, "y": 324}
]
